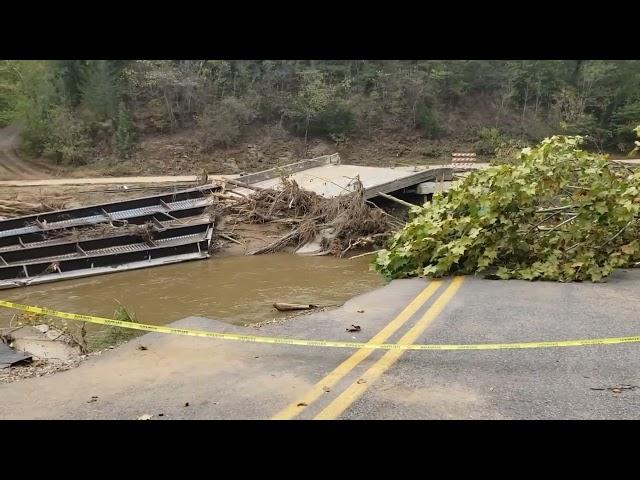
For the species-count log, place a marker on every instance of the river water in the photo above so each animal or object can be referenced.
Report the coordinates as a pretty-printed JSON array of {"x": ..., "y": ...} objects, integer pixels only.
[{"x": 235, "y": 289}]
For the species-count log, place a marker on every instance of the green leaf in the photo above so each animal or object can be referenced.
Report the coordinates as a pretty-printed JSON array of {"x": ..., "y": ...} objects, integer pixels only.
[
  {"x": 630, "y": 248},
  {"x": 429, "y": 270}
]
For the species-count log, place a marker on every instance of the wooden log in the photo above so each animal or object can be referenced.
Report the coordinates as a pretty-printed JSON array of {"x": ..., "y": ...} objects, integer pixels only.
[
  {"x": 287, "y": 307},
  {"x": 243, "y": 184},
  {"x": 231, "y": 239},
  {"x": 397, "y": 200}
]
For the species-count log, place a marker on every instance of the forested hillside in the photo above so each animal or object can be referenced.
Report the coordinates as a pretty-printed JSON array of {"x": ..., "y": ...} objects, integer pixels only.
[{"x": 78, "y": 112}]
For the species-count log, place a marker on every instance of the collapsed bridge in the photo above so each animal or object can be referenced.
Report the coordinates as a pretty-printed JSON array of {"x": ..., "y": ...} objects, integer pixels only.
[
  {"x": 170, "y": 227},
  {"x": 124, "y": 235}
]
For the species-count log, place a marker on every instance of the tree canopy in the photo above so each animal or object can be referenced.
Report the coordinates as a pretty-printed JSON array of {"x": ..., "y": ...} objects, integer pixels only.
[{"x": 523, "y": 99}]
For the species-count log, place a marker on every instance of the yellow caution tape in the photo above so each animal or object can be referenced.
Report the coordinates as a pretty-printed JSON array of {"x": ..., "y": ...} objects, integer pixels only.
[{"x": 314, "y": 343}]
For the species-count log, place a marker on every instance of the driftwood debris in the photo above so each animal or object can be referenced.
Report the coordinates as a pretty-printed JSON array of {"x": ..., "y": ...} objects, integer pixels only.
[
  {"x": 288, "y": 307},
  {"x": 352, "y": 221},
  {"x": 397, "y": 200},
  {"x": 17, "y": 208}
]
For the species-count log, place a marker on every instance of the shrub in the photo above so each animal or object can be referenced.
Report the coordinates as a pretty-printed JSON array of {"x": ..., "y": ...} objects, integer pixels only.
[
  {"x": 100, "y": 89},
  {"x": 489, "y": 140},
  {"x": 7, "y": 104},
  {"x": 337, "y": 120},
  {"x": 427, "y": 119},
  {"x": 66, "y": 137},
  {"x": 153, "y": 116},
  {"x": 623, "y": 122},
  {"x": 125, "y": 134},
  {"x": 112, "y": 336},
  {"x": 222, "y": 124}
]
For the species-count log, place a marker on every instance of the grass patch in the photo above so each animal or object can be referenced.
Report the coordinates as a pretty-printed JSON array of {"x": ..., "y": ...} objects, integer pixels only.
[{"x": 112, "y": 336}]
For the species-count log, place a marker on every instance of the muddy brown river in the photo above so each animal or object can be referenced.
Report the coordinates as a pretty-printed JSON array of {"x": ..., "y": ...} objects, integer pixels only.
[{"x": 237, "y": 289}]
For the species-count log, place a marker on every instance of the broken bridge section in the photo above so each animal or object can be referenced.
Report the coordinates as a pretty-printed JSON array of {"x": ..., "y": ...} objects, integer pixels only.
[
  {"x": 9, "y": 356},
  {"x": 328, "y": 177},
  {"x": 105, "y": 238},
  {"x": 171, "y": 227}
]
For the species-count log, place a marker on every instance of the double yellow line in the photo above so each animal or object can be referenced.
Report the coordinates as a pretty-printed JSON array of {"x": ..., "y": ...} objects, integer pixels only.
[{"x": 355, "y": 390}]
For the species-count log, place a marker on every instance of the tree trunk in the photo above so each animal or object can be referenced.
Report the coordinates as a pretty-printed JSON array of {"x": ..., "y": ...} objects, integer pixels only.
[
  {"x": 414, "y": 108},
  {"x": 526, "y": 98},
  {"x": 169, "y": 109}
]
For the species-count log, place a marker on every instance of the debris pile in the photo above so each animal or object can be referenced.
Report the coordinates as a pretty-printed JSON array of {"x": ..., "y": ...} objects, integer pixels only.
[
  {"x": 17, "y": 208},
  {"x": 338, "y": 224},
  {"x": 38, "y": 368}
]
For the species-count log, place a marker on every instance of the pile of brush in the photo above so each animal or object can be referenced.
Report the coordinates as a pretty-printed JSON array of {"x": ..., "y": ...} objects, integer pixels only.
[
  {"x": 18, "y": 208},
  {"x": 339, "y": 224}
]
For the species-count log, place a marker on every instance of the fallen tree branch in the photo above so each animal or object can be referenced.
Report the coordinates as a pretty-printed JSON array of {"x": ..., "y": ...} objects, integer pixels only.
[
  {"x": 555, "y": 209},
  {"x": 622, "y": 165},
  {"x": 365, "y": 254},
  {"x": 279, "y": 244},
  {"x": 397, "y": 200},
  {"x": 617, "y": 234},
  {"x": 244, "y": 185},
  {"x": 231, "y": 239},
  {"x": 287, "y": 307},
  {"x": 562, "y": 223}
]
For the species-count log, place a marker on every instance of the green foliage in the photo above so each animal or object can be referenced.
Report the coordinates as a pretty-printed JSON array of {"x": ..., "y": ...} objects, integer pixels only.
[
  {"x": 335, "y": 120},
  {"x": 427, "y": 119},
  {"x": 99, "y": 90},
  {"x": 67, "y": 76},
  {"x": 153, "y": 116},
  {"x": 490, "y": 139},
  {"x": 9, "y": 82},
  {"x": 67, "y": 140},
  {"x": 316, "y": 106},
  {"x": 623, "y": 122},
  {"x": 597, "y": 99},
  {"x": 559, "y": 213},
  {"x": 181, "y": 90},
  {"x": 367, "y": 111},
  {"x": 112, "y": 336},
  {"x": 36, "y": 96},
  {"x": 125, "y": 133},
  {"x": 222, "y": 124}
]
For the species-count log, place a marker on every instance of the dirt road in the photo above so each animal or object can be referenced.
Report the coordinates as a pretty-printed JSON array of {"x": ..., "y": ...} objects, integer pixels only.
[{"x": 11, "y": 165}]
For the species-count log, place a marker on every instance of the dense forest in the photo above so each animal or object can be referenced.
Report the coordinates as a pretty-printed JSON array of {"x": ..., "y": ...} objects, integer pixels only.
[{"x": 70, "y": 109}]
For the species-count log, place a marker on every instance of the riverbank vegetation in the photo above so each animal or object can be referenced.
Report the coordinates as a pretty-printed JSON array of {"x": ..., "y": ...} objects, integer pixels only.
[{"x": 76, "y": 111}]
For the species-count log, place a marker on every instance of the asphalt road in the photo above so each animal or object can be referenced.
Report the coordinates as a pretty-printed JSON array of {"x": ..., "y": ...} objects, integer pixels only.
[{"x": 231, "y": 380}]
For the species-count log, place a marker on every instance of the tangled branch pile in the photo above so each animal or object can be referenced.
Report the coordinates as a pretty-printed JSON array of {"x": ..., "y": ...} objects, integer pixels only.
[
  {"x": 341, "y": 221},
  {"x": 560, "y": 213},
  {"x": 17, "y": 208}
]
